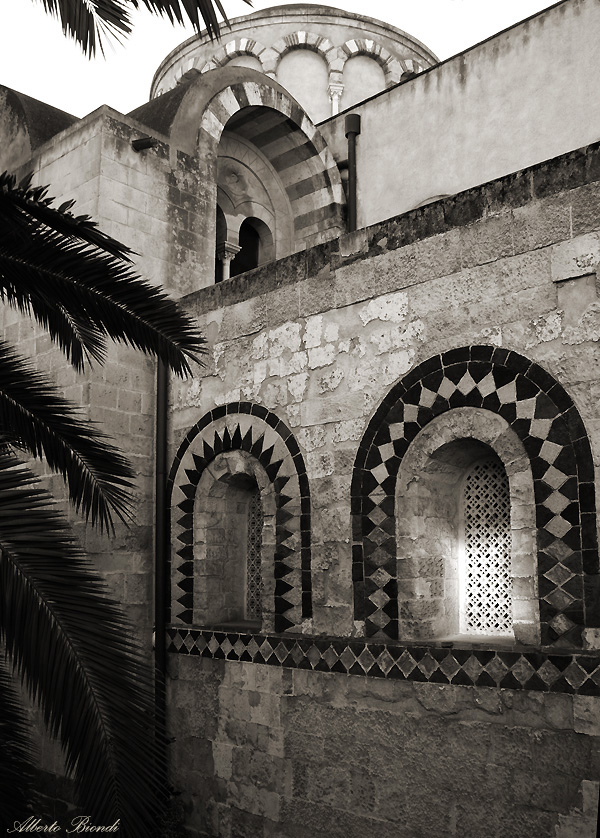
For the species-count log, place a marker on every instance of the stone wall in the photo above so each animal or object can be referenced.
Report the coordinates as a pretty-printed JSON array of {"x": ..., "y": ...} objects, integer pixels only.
[
  {"x": 287, "y": 753},
  {"x": 317, "y": 730}
]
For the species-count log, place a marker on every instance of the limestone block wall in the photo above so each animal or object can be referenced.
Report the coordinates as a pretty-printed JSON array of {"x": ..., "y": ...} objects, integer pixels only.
[
  {"x": 284, "y": 753},
  {"x": 157, "y": 207},
  {"x": 338, "y": 723},
  {"x": 140, "y": 200}
]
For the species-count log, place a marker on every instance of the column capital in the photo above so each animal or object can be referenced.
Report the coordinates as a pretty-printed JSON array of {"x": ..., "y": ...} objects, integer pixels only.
[
  {"x": 335, "y": 95},
  {"x": 226, "y": 251}
]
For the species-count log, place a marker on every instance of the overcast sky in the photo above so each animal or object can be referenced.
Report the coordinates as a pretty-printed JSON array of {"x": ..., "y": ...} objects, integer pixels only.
[{"x": 36, "y": 59}]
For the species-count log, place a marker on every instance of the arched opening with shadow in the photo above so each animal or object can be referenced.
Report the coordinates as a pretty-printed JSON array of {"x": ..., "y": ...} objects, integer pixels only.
[
  {"x": 263, "y": 158},
  {"x": 220, "y": 239},
  {"x": 256, "y": 246},
  {"x": 234, "y": 542}
]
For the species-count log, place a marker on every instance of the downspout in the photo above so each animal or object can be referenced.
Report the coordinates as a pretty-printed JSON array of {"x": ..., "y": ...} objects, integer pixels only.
[
  {"x": 161, "y": 553},
  {"x": 352, "y": 129}
]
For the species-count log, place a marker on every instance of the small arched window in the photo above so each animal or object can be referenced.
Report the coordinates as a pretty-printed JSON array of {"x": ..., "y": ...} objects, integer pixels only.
[
  {"x": 485, "y": 561},
  {"x": 254, "y": 585},
  {"x": 233, "y": 539},
  {"x": 256, "y": 246},
  {"x": 247, "y": 258}
]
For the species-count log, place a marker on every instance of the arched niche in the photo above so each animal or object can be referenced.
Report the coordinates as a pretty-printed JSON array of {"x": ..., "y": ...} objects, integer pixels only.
[
  {"x": 256, "y": 246},
  {"x": 231, "y": 449},
  {"x": 254, "y": 203},
  {"x": 363, "y": 77},
  {"x": 304, "y": 73},
  {"x": 234, "y": 579},
  {"x": 544, "y": 418},
  {"x": 446, "y": 514},
  {"x": 246, "y": 61}
]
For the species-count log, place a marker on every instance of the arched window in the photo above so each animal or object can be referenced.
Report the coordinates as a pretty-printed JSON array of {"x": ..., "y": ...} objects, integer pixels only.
[
  {"x": 465, "y": 533},
  {"x": 256, "y": 246},
  {"x": 247, "y": 258},
  {"x": 254, "y": 585},
  {"x": 485, "y": 550},
  {"x": 220, "y": 239},
  {"x": 233, "y": 542}
]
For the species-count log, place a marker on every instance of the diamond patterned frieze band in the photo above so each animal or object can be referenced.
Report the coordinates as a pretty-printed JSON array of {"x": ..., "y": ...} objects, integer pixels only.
[
  {"x": 541, "y": 671},
  {"x": 548, "y": 424},
  {"x": 249, "y": 428}
]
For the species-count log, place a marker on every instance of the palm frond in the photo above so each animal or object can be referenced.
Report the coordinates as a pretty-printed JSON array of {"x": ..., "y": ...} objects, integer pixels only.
[
  {"x": 199, "y": 12},
  {"x": 77, "y": 283},
  {"x": 36, "y": 418},
  {"x": 17, "y": 769},
  {"x": 73, "y": 650},
  {"x": 89, "y": 21},
  {"x": 35, "y": 204}
]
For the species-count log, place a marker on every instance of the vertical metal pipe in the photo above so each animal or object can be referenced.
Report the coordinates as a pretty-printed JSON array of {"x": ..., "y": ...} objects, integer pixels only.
[
  {"x": 352, "y": 129},
  {"x": 161, "y": 534}
]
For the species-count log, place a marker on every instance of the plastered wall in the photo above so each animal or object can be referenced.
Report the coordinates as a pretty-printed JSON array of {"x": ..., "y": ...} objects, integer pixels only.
[{"x": 517, "y": 99}]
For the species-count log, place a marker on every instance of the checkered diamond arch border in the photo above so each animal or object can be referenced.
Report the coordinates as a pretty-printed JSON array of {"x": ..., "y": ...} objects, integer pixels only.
[
  {"x": 547, "y": 422},
  {"x": 252, "y": 428}
]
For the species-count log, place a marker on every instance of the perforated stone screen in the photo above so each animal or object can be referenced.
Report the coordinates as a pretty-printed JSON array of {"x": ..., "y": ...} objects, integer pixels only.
[
  {"x": 487, "y": 538},
  {"x": 253, "y": 570}
]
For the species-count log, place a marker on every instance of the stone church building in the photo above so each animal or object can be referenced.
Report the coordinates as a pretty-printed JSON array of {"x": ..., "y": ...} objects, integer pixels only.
[{"x": 373, "y": 570}]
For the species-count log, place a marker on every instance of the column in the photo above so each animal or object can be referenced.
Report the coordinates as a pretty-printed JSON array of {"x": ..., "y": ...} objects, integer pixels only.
[{"x": 227, "y": 251}]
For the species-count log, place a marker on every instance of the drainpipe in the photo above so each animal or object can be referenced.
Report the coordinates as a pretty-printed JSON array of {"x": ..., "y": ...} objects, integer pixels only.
[
  {"x": 161, "y": 553},
  {"x": 352, "y": 129}
]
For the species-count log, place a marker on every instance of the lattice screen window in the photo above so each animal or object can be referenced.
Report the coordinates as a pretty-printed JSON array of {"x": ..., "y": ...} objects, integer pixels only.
[
  {"x": 254, "y": 549},
  {"x": 487, "y": 537}
]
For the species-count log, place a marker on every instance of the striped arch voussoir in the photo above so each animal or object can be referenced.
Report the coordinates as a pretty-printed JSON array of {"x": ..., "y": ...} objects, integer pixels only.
[
  {"x": 305, "y": 40},
  {"x": 547, "y": 422},
  {"x": 390, "y": 65},
  {"x": 314, "y": 188},
  {"x": 243, "y": 426},
  {"x": 239, "y": 46}
]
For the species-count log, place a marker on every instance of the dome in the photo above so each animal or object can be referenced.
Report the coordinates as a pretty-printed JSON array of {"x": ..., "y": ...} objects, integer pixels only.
[{"x": 328, "y": 59}]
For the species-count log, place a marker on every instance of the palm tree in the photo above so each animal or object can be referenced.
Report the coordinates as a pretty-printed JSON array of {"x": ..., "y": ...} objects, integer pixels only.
[{"x": 64, "y": 636}]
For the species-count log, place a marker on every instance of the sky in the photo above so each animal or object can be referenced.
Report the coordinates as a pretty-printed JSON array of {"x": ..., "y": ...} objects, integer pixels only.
[{"x": 36, "y": 59}]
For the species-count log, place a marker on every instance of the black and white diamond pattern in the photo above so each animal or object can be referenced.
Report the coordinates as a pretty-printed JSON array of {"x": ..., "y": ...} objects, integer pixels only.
[
  {"x": 545, "y": 672},
  {"x": 545, "y": 419},
  {"x": 254, "y": 429}
]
